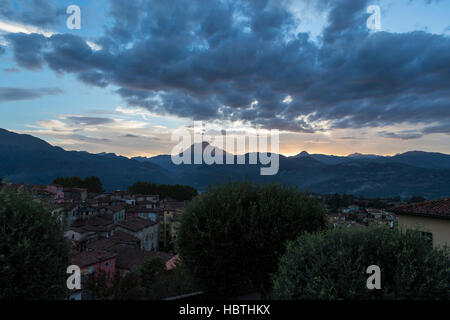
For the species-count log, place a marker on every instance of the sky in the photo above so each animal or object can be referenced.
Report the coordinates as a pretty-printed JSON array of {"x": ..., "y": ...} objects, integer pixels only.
[{"x": 136, "y": 71}]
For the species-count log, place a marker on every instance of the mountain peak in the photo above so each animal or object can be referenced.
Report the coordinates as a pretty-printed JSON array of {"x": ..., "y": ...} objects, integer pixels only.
[{"x": 302, "y": 154}]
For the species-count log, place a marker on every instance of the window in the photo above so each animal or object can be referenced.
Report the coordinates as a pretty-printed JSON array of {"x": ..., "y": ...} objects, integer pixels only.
[
  {"x": 428, "y": 236},
  {"x": 106, "y": 263}
]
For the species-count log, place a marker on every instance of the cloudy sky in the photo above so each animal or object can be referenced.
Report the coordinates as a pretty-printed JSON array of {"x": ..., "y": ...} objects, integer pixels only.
[{"x": 137, "y": 70}]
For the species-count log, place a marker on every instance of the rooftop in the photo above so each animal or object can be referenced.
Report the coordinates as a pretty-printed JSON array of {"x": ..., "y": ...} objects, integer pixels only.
[
  {"x": 434, "y": 208},
  {"x": 136, "y": 224},
  {"x": 88, "y": 258}
]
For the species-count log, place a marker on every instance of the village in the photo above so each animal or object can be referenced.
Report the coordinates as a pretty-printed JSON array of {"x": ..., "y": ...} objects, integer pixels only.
[
  {"x": 116, "y": 233},
  {"x": 113, "y": 232}
]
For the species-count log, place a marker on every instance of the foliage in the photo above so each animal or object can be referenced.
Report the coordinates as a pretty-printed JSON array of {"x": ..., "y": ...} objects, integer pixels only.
[
  {"x": 129, "y": 287},
  {"x": 34, "y": 255},
  {"x": 150, "y": 281},
  {"x": 171, "y": 283},
  {"x": 234, "y": 233},
  {"x": 333, "y": 265},
  {"x": 92, "y": 184},
  {"x": 417, "y": 199},
  {"x": 149, "y": 270},
  {"x": 101, "y": 285},
  {"x": 178, "y": 192}
]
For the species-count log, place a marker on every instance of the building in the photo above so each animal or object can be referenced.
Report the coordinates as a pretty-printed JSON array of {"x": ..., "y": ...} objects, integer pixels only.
[
  {"x": 145, "y": 230},
  {"x": 91, "y": 263},
  {"x": 432, "y": 218}
]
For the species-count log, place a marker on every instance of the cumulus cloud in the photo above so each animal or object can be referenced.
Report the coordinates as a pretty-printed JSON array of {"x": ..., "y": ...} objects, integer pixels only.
[{"x": 208, "y": 60}]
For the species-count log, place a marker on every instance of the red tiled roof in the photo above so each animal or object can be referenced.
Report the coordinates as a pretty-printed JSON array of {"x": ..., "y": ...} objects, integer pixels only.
[
  {"x": 88, "y": 258},
  {"x": 136, "y": 224},
  {"x": 172, "y": 263},
  {"x": 119, "y": 238},
  {"x": 129, "y": 258},
  {"x": 435, "y": 208}
]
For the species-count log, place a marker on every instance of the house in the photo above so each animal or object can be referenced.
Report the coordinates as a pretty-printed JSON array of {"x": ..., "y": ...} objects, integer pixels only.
[
  {"x": 75, "y": 194},
  {"x": 118, "y": 240},
  {"x": 148, "y": 198},
  {"x": 431, "y": 218},
  {"x": 79, "y": 237},
  {"x": 103, "y": 226},
  {"x": 70, "y": 212},
  {"x": 145, "y": 230},
  {"x": 91, "y": 263},
  {"x": 114, "y": 212},
  {"x": 145, "y": 213},
  {"x": 129, "y": 259},
  {"x": 172, "y": 209}
]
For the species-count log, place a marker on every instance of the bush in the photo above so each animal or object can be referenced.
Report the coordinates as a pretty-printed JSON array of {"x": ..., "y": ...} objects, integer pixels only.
[
  {"x": 333, "y": 266},
  {"x": 177, "y": 192},
  {"x": 234, "y": 234},
  {"x": 34, "y": 255}
]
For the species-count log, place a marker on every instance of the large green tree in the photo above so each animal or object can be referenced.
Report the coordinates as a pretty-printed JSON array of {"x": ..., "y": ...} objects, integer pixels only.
[
  {"x": 233, "y": 234},
  {"x": 93, "y": 184},
  {"x": 333, "y": 265},
  {"x": 34, "y": 255},
  {"x": 178, "y": 192}
]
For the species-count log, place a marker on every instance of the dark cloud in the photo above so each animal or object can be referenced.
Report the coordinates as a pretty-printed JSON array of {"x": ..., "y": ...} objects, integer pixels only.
[
  {"x": 28, "y": 49},
  {"x": 212, "y": 59},
  {"x": 41, "y": 13},
  {"x": 16, "y": 94},
  {"x": 403, "y": 135},
  {"x": 89, "y": 121}
]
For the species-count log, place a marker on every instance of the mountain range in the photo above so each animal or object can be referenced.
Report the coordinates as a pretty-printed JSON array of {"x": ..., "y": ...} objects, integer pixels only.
[{"x": 24, "y": 158}]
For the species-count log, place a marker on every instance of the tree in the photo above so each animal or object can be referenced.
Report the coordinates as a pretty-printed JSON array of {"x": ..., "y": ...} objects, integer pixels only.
[
  {"x": 34, "y": 255},
  {"x": 150, "y": 269},
  {"x": 178, "y": 192},
  {"x": 417, "y": 199},
  {"x": 233, "y": 234},
  {"x": 333, "y": 265},
  {"x": 93, "y": 184}
]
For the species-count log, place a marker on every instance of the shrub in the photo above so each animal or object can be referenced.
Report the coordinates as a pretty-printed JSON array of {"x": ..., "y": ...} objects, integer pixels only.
[{"x": 333, "y": 266}]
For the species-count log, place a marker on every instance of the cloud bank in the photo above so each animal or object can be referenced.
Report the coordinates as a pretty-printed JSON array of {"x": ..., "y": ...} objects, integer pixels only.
[{"x": 244, "y": 61}]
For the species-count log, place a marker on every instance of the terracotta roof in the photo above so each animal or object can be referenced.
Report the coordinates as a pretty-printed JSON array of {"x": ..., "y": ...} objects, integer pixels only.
[
  {"x": 435, "y": 208},
  {"x": 143, "y": 209},
  {"x": 110, "y": 244},
  {"x": 115, "y": 208},
  {"x": 128, "y": 258},
  {"x": 88, "y": 258},
  {"x": 172, "y": 263},
  {"x": 136, "y": 224},
  {"x": 95, "y": 223}
]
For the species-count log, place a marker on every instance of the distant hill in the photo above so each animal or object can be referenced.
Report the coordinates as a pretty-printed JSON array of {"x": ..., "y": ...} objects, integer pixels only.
[
  {"x": 421, "y": 159},
  {"x": 24, "y": 158}
]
